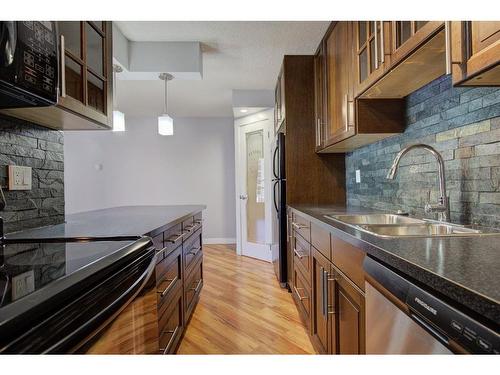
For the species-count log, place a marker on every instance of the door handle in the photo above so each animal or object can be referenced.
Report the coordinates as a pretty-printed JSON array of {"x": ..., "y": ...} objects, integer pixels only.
[
  {"x": 301, "y": 298},
  {"x": 375, "y": 24},
  {"x": 274, "y": 196},
  {"x": 274, "y": 162},
  {"x": 243, "y": 197},
  {"x": 297, "y": 226},
  {"x": 324, "y": 292},
  {"x": 63, "y": 71},
  {"x": 447, "y": 40}
]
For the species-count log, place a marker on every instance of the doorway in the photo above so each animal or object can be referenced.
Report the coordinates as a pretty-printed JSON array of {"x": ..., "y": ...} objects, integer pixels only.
[{"x": 253, "y": 184}]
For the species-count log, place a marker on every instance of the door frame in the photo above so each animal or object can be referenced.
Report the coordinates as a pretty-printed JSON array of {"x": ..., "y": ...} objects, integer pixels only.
[{"x": 267, "y": 117}]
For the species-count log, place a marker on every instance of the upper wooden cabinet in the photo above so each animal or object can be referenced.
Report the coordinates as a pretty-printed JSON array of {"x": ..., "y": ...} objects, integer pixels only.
[
  {"x": 413, "y": 49},
  {"x": 320, "y": 115},
  {"x": 340, "y": 114},
  {"x": 369, "y": 50},
  {"x": 85, "y": 98},
  {"x": 350, "y": 122},
  {"x": 475, "y": 50},
  {"x": 279, "y": 101}
]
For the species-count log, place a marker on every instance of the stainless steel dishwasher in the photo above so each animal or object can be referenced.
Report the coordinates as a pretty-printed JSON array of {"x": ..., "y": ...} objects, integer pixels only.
[{"x": 402, "y": 318}]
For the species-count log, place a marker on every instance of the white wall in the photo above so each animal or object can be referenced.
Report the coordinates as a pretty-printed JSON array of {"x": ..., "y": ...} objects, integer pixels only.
[{"x": 140, "y": 167}]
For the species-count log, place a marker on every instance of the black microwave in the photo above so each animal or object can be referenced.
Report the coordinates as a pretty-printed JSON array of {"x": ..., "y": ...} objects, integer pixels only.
[{"x": 29, "y": 69}]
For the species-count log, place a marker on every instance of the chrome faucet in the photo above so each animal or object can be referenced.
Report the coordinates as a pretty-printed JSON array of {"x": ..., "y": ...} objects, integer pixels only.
[{"x": 443, "y": 206}]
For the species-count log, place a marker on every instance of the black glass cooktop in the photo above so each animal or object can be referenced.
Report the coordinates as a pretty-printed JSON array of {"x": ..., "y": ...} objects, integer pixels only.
[{"x": 27, "y": 268}]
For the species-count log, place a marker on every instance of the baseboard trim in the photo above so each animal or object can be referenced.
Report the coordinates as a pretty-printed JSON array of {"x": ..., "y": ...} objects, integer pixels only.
[{"x": 219, "y": 241}]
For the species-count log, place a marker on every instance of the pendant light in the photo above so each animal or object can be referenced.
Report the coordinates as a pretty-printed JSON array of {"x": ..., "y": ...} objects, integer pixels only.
[
  {"x": 118, "y": 117},
  {"x": 165, "y": 122}
]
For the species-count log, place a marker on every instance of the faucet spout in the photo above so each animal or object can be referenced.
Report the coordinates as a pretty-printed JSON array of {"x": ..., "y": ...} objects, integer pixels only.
[{"x": 443, "y": 207}]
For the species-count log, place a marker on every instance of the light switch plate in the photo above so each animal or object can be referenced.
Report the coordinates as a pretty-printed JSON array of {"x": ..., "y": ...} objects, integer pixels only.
[
  {"x": 358, "y": 176},
  {"x": 19, "y": 177}
]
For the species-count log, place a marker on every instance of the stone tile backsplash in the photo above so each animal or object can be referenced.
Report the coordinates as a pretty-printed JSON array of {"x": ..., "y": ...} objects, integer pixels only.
[
  {"x": 27, "y": 144},
  {"x": 463, "y": 124}
]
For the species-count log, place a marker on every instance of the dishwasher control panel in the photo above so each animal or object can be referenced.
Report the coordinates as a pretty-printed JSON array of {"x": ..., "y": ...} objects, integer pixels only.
[{"x": 454, "y": 324}]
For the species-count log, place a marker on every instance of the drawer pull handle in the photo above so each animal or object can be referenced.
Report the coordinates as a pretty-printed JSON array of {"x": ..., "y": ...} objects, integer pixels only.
[
  {"x": 169, "y": 287},
  {"x": 299, "y": 254},
  {"x": 195, "y": 250},
  {"x": 199, "y": 221},
  {"x": 197, "y": 286},
  {"x": 298, "y": 294},
  {"x": 170, "y": 342},
  {"x": 298, "y": 226},
  {"x": 173, "y": 239}
]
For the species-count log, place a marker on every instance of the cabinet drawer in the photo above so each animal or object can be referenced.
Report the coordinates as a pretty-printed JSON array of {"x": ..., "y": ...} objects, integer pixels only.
[
  {"x": 302, "y": 256},
  {"x": 169, "y": 276},
  {"x": 172, "y": 237},
  {"x": 191, "y": 249},
  {"x": 188, "y": 226},
  {"x": 301, "y": 293},
  {"x": 349, "y": 259},
  {"x": 192, "y": 288},
  {"x": 171, "y": 325},
  {"x": 320, "y": 239},
  {"x": 158, "y": 242},
  {"x": 301, "y": 226}
]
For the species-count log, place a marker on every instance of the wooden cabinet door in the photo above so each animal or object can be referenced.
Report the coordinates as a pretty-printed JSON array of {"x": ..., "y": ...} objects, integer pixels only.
[
  {"x": 475, "y": 49},
  {"x": 322, "y": 303},
  {"x": 350, "y": 316},
  {"x": 406, "y": 36},
  {"x": 340, "y": 113},
  {"x": 369, "y": 47},
  {"x": 320, "y": 95},
  {"x": 86, "y": 69}
]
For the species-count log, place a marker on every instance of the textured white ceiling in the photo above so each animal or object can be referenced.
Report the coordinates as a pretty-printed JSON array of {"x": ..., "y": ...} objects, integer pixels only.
[{"x": 236, "y": 55}]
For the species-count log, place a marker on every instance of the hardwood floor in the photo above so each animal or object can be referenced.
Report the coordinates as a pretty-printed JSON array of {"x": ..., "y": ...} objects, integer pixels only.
[{"x": 242, "y": 310}]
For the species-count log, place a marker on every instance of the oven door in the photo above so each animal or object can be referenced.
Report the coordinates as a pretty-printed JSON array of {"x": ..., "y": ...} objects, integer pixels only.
[{"x": 135, "y": 329}]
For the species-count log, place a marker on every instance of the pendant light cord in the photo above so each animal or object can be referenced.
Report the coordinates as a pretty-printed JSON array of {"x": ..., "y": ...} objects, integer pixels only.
[{"x": 166, "y": 81}]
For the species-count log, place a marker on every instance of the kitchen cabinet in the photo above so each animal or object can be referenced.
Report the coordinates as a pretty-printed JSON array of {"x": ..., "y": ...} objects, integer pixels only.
[
  {"x": 179, "y": 279},
  {"x": 323, "y": 327},
  {"x": 302, "y": 163},
  {"x": 320, "y": 96},
  {"x": 369, "y": 50},
  {"x": 349, "y": 313},
  {"x": 475, "y": 53},
  {"x": 85, "y": 99},
  {"x": 333, "y": 293},
  {"x": 279, "y": 100},
  {"x": 340, "y": 122}
]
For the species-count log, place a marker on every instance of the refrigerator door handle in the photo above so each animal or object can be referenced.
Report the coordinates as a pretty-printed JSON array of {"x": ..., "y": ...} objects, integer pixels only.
[
  {"x": 274, "y": 162},
  {"x": 274, "y": 195}
]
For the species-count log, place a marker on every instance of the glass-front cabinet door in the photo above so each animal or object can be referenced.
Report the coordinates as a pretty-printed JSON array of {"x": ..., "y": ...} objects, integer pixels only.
[
  {"x": 86, "y": 74},
  {"x": 406, "y": 36},
  {"x": 369, "y": 53}
]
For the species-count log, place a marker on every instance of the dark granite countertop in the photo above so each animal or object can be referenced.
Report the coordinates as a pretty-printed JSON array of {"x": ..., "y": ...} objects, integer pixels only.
[
  {"x": 463, "y": 269},
  {"x": 114, "y": 222}
]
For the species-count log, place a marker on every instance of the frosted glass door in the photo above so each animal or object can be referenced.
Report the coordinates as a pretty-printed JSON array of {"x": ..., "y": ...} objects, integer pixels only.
[{"x": 255, "y": 187}]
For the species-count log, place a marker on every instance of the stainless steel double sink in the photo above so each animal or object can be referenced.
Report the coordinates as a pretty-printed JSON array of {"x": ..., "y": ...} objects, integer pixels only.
[{"x": 395, "y": 226}]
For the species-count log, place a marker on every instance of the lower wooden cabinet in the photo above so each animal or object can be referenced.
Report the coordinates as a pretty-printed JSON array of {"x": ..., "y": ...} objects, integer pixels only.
[
  {"x": 192, "y": 288},
  {"x": 349, "y": 312},
  {"x": 322, "y": 329},
  {"x": 179, "y": 279},
  {"x": 329, "y": 301},
  {"x": 171, "y": 324}
]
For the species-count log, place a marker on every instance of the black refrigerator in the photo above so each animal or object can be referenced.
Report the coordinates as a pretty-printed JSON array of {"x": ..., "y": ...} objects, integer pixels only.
[{"x": 279, "y": 243}]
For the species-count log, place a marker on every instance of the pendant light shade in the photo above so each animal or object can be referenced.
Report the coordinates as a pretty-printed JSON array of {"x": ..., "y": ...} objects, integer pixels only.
[
  {"x": 118, "y": 121},
  {"x": 165, "y": 125},
  {"x": 165, "y": 122},
  {"x": 118, "y": 117}
]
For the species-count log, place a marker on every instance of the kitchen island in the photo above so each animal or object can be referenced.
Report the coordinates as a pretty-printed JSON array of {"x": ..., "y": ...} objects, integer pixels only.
[{"x": 160, "y": 255}]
